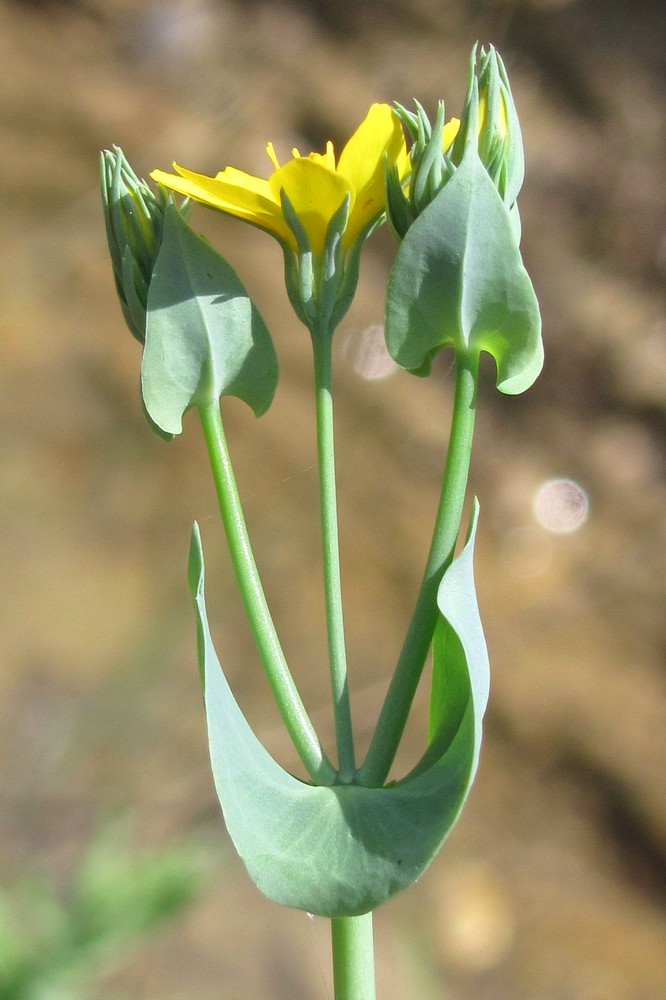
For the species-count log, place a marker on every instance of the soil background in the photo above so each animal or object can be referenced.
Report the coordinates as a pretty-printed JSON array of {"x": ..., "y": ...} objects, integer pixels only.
[{"x": 553, "y": 884}]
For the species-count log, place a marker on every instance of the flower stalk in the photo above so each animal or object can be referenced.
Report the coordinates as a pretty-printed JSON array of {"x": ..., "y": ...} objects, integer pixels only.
[
  {"x": 409, "y": 667},
  {"x": 259, "y": 617},
  {"x": 331, "y": 557}
]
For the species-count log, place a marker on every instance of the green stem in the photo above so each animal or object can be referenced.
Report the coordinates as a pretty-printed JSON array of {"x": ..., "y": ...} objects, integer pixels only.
[
  {"x": 321, "y": 342},
  {"x": 353, "y": 958},
  {"x": 409, "y": 667},
  {"x": 265, "y": 636}
]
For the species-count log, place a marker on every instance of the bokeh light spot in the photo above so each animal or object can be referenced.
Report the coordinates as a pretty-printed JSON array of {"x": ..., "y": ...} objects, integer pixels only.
[
  {"x": 561, "y": 506},
  {"x": 366, "y": 352}
]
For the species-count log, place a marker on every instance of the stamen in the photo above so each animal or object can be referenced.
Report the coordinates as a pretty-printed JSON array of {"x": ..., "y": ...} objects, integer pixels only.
[{"x": 273, "y": 158}]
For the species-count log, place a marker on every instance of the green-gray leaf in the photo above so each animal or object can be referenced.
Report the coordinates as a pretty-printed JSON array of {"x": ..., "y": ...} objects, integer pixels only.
[
  {"x": 460, "y": 655},
  {"x": 345, "y": 849},
  {"x": 204, "y": 336},
  {"x": 459, "y": 281}
]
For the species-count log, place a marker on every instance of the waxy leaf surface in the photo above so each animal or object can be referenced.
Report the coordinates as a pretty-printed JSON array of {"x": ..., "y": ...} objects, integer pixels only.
[
  {"x": 460, "y": 656},
  {"x": 343, "y": 850},
  {"x": 204, "y": 336},
  {"x": 459, "y": 281}
]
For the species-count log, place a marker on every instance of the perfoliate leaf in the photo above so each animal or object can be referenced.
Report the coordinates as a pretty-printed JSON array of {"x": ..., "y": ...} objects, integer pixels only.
[
  {"x": 204, "y": 336},
  {"x": 340, "y": 850},
  {"x": 459, "y": 281},
  {"x": 460, "y": 656},
  {"x": 449, "y": 689}
]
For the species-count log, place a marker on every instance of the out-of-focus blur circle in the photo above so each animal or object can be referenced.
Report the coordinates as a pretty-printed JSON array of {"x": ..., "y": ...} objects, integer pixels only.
[
  {"x": 476, "y": 925},
  {"x": 365, "y": 351},
  {"x": 561, "y": 506}
]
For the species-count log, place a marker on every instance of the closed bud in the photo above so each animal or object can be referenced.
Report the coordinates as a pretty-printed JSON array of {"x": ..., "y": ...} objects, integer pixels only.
[
  {"x": 431, "y": 166},
  {"x": 488, "y": 128},
  {"x": 489, "y": 123},
  {"x": 134, "y": 218}
]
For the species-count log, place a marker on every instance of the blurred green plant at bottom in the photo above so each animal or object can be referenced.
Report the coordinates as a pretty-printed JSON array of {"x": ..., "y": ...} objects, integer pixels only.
[{"x": 56, "y": 944}]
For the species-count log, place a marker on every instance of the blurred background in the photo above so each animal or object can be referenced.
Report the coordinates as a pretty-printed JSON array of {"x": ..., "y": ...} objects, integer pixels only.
[{"x": 553, "y": 884}]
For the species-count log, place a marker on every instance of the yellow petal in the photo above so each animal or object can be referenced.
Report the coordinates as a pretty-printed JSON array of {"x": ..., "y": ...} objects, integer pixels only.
[
  {"x": 234, "y": 192},
  {"x": 315, "y": 193},
  {"x": 362, "y": 165},
  {"x": 449, "y": 132},
  {"x": 500, "y": 123},
  {"x": 238, "y": 179}
]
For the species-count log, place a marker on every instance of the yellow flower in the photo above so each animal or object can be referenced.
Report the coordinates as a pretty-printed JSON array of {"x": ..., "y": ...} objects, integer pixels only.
[{"x": 315, "y": 185}]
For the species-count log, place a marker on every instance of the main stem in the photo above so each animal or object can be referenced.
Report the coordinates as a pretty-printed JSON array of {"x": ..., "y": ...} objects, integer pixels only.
[
  {"x": 265, "y": 636},
  {"x": 321, "y": 342},
  {"x": 409, "y": 667},
  {"x": 353, "y": 958}
]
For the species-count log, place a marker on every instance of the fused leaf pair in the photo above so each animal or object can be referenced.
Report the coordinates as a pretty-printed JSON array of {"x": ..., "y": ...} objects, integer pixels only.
[
  {"x": 459, "y": 281},
  {"x": 204, "y": 336},
  {"x": 342, "y": 850}
]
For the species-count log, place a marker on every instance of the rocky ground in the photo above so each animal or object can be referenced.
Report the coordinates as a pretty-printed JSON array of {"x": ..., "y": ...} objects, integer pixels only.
[{"x": 553, "y": 884}]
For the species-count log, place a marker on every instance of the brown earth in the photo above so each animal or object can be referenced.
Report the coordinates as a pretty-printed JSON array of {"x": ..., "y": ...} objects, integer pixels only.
[{"x": 553, "y": 884}]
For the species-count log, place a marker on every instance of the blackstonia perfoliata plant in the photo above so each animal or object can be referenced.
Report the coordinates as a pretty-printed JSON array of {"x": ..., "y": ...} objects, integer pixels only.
[{"x": 346, "y": 840}]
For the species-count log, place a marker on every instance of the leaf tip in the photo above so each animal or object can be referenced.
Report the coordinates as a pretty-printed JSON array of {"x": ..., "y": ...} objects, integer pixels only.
[{"x": 195, "y": 566}]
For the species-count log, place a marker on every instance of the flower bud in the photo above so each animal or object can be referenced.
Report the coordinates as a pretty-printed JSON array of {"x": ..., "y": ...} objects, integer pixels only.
[
  {"x": 431, "y": 166},
  {"x": 488, "y": 128},
  {"x": 134, "y": 218},
  {"x": 489, "y": 123}
]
